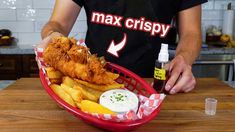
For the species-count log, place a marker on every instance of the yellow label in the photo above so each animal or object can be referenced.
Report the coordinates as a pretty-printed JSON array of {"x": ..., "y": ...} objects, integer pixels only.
[{"x": 159, "y": 74}]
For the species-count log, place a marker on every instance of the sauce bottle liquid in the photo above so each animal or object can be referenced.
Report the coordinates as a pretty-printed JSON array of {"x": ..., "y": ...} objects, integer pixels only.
[{"x": 160, "y": 70}]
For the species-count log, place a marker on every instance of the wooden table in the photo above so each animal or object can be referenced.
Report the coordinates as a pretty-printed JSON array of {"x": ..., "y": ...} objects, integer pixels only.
[{"x": 26, "y": 107}]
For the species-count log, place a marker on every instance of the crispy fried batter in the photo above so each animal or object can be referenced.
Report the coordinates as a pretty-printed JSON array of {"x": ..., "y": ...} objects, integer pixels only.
[{"x": 76, "y": 61}]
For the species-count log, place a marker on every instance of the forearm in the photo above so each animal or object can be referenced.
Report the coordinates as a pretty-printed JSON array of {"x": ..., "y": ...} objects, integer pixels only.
[
  {"x": 51, "y": 27},
  {"x": 189, "y": 47},
  {"x": 190, "y": 34},
  {"x": 64, "y": 15}
]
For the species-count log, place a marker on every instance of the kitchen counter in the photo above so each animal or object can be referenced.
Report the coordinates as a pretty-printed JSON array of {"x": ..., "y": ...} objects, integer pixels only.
[
  {"x": 216, "y": 50},
  {"x": 231, "y": 83},
  {"x": 28, "y": 49},
  {"x": 5, "y": 83},
  {"x": 25, "y": 106},
  {"x": 207, "y": 54},
  {"x": 213, "y": 51}
]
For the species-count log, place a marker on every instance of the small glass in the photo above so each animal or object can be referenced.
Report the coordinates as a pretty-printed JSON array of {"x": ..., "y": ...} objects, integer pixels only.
[{"x": 210, "y": 106}]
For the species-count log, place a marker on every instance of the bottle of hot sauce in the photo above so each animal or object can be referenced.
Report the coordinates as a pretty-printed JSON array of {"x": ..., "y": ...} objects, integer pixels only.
[{"x": 160, "y": 70}]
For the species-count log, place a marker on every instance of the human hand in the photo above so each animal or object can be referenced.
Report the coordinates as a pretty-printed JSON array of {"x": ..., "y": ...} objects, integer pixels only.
[
  {"x": 181, "y": 77},
  {"x": 43, "y": 44}
]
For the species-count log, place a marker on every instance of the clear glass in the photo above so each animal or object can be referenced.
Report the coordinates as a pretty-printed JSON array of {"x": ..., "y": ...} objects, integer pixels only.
[{"x": 210, "y": 106}]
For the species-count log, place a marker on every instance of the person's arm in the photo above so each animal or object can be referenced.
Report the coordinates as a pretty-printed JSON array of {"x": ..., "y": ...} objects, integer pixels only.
[
  {"x": 190, "y": 34},
  {"x": 181, "y": 77},
  {"x": 63, "y": 18}
]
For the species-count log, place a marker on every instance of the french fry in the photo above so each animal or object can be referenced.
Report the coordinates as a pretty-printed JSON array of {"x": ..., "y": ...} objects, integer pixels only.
[
  {"x": 62, "y": 94},
  {"x": 112, "y": 75},
  {"x": 52, "y": 73},
  {"x": 86, "y": 94},
  {"x": 95, "y": 92},
  {"x": 48, "y": 69},
  {"x": 69, "y": 85},
  {"x": 101, "y": 87},
  {"x": 69, "y": 81},
  {"x": 74, "y": 93}
]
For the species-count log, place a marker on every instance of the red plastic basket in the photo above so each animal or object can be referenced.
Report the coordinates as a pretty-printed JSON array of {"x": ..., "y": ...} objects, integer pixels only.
[{"x": 132, "y": 82}]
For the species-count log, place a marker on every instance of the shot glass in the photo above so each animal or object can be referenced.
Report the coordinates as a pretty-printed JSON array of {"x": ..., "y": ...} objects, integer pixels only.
[{"x": 210, "y": 106}]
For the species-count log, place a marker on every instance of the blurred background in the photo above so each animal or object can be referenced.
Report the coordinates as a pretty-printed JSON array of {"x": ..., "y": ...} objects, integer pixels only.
[{"x": 25, "y": 18}]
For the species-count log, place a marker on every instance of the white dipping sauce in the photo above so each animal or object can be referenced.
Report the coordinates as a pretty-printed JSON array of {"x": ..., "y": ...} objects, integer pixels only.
[{"x": 119, "y": 101}]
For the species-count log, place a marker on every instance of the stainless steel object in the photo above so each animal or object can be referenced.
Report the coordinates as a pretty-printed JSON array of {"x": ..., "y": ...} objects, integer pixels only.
[{"x": 219, "y": 66}]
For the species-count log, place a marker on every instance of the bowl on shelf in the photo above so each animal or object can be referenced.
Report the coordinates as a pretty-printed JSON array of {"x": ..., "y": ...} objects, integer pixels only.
[
  {"x": 6, "y": 38},
  {"x": 6, "y": 41}
]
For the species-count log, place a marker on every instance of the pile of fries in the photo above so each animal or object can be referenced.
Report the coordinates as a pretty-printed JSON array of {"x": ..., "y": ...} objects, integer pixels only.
[{"x": 74, "y": 91}]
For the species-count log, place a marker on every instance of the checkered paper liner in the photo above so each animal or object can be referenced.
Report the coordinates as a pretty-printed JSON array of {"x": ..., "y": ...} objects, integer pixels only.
[{"x": 146, "y": 105}]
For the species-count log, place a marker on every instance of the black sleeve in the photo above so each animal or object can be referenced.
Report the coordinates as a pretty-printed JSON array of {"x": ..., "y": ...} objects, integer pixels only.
[
  {"x": 79, "y": 2},
  {"x": 185, "y": 4}
]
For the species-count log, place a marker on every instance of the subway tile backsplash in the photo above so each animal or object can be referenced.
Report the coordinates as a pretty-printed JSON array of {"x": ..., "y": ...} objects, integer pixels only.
[
  {"x": 18, "y": 26},
  {"x": 212, "y": 13},
  {"x": 25, "y": 18},
  {"x": 222, "y": 4},
  {"x": 15, "y": 4},
  {"x": 39, "y": 15},
  {"x": 39, "y": 25},
  {"x": 43, "y": 4},
  {"x": 30, "y": 39},
  {"x": 7, "y": 15}
]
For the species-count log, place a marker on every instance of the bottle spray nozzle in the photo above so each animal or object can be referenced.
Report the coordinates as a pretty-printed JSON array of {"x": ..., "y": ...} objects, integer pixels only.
[
  {"x": 163, "y": 56},
  {"x": 164, "y": 48}
]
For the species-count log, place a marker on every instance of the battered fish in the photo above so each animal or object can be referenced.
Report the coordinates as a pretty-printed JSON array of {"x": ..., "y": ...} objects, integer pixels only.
[{"x": 76, "y": 61}]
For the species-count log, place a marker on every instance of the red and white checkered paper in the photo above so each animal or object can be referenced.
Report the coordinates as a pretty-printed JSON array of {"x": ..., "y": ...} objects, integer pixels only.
[{"x": 146, "y": 105}]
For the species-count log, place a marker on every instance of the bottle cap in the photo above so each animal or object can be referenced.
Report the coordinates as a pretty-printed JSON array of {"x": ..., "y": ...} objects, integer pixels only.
[{"x": 163, "y": 56}]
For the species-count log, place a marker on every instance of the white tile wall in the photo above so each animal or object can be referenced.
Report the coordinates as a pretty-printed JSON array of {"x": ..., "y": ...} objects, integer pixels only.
[
  {"x": 212, "y": 13},
  {"x": 39, "y": 25},
  {"x": 208, "y": 5},
  {"x": 27, "y": 27},
  {"x": 7, "y": 15},
  {"x": 82, "y": 15},
  {"x": 79, "y": 26},
  {"x": 18, "y": 26},
  {"x": 40, "y": 15},
  {"x": 222, "y": 4},
  {"x": 46, "y": 4},
  {"x": 5, "y": 4},
  {"x": 25, "y": 18},
  {"x": 29, "y": 38}
]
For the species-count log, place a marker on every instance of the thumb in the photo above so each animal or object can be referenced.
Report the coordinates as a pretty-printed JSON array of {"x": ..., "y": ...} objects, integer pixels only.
[{"x": 43, "y": 44}]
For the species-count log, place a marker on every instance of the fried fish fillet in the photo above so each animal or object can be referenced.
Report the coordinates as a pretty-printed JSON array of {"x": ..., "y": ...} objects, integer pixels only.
[{"x": 76, "y": 61}]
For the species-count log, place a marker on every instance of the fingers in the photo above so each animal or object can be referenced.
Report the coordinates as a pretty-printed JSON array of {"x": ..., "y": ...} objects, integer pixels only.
[
  {"x": 181, "y": 76},
  {"x": 176, "y": 67},
  {"x": 191, "y": 86},
  {"x": 185, "y": 83},
  {"x": 43, "y": 44},
  {"x": 174, "y": 75}
]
